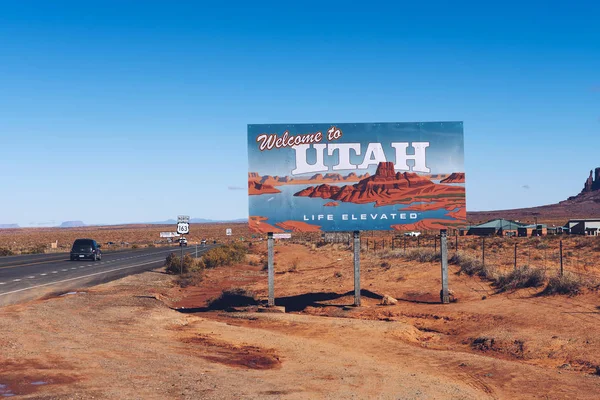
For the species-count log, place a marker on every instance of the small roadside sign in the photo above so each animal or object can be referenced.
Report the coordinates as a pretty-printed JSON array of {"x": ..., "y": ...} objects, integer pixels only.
[
  {"x": 282, "y": 236},
  {"x": 228, "y": 231}
]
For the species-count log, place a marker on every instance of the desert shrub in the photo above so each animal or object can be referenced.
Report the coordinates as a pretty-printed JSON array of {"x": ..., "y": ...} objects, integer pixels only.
[
  {"x": 423, "y": 255},
  {"x": 541, "y": 245},
  {"x": 472, "y": 266},
  {"x": 338, "y": 274},
  {"x": 151, "y": 245},
  {"x": 37, "y": 249},
  {"x": 234, "y": 297},
  {"x": 135, "y": 246},
  {"x": 386, "y": 265},
  {"x": 567, "y": 284},
  {"x": 294, "y": 266},
  {"x": 596, "y": 246},
  {"x": 189, "y": 279},
  {"x": 173, "y": 264},
  {"x": 581, "y": 243},
  {"x": 224, "y": 255},
  {"x": 5, "y": 252},
  {"x": 523, "y": 277}
]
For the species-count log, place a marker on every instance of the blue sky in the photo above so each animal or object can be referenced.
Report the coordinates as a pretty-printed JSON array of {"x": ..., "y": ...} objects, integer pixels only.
[{"x": 137, "y": 111}]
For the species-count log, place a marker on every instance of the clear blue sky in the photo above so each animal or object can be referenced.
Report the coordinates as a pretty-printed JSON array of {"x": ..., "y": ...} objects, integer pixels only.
[{"x": 119, "y": 111}]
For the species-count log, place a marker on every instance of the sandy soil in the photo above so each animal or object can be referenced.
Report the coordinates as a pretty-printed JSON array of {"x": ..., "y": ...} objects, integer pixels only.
[{"x": 144, "y": 338}]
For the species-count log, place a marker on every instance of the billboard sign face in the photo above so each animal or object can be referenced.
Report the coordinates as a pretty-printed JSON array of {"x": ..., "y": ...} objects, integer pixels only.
[
  {"x": 348, "y": 177},
  {"x": 168, "y": 234}
]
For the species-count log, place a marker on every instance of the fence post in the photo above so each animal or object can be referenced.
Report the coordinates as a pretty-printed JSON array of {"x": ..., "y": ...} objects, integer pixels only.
[
  {"x": 561, "y": 259},
  {"x": 356, "y": 268},
  {"x": 404, "y": 244},
  {"x": 456, "y": 244},
  {"x": 483, "y": 250},
  {"x": 419, "y": 241},
  {"x": 271, "y": 272},
  {"x": 383, "y": 244},
  {"x": 393, "y": 248},
  {"x": 435, "y": 243},
  {"x": 445, "y": 298},
  {"x": 515, "y": 256}
]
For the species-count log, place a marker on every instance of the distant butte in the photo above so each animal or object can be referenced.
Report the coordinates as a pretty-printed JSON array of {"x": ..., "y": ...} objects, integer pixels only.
[{"x": 584, "y": 205}]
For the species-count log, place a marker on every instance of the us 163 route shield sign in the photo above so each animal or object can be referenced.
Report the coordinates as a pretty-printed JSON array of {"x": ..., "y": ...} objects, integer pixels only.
[{"x": 350, "y": 176}]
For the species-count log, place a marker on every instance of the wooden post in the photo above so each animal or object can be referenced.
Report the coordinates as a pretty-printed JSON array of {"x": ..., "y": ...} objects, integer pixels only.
[
  {"x": 561, "y": 259},
  {"x": 483, "y": 250},
  {"x": 515, "y": 256},
  {"x": 271, "y": 272},
  {"x": 445, "y": 297},
  {"x": 357, "y": 268}
]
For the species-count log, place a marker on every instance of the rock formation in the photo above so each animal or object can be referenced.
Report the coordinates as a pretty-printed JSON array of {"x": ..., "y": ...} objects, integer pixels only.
[
  {"x": 255, "y": 188},
  {"x": 592, "y": 183},
  {"x": 455, "y": 177},
  {"x": 385, "y": 187}
]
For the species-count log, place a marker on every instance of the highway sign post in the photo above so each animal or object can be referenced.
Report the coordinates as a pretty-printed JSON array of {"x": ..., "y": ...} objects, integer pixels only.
[
  {"x": 228, "y": 231},
  {"x": 183, "y": 228}
]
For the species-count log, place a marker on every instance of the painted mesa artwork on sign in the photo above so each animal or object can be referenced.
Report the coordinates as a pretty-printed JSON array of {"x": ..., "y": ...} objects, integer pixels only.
[{"x": 347, "y": 177}]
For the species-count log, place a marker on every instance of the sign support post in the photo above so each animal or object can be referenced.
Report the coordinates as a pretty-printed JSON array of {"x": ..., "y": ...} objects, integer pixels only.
[
  {"x": 181, "y": 269},
  {"x": 444, "y": 249},
  {"x": 356, "y": 268},
  {"x": 183, "y": 228},
  {"x": 271, "y": 301}
]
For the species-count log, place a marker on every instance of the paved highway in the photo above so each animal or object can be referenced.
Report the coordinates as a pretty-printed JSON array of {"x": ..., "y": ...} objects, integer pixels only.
[{"x": 33, "y": 276}]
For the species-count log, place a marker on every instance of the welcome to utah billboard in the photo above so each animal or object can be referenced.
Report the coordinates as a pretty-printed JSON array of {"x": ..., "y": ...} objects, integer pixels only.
[{"x": 347, "y": 177}]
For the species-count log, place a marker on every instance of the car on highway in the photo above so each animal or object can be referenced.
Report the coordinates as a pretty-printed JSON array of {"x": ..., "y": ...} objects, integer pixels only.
[{"x": 85, "y": 249}]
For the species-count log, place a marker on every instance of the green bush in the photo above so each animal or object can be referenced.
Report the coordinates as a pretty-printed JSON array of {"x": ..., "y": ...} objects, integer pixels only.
[
  {"x": 5, "y": 252},
  {"x": 224, "y": 255},
  {"x": 173, "y": 264},
  {"x": 567, "y": 284},
  {"x": 523, "y": 277}
]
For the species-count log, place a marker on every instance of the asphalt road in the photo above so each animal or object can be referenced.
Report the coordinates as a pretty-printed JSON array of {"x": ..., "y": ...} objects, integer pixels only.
[{"x": 34, "y": 276}]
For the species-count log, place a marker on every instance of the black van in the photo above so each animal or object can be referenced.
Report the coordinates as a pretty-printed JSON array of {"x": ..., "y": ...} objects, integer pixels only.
[{"x": 85, "y": 248}]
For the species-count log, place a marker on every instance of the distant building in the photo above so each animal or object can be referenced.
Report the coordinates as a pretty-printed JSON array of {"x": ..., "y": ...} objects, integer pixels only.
[
  {"x": 495, "y": 227},
  {"x": 533, "y": 230},
  {"x": 589, "y": 227}
]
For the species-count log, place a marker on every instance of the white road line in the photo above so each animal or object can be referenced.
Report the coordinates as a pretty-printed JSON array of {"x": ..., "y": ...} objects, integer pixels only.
[
  {"x": 31, "y": 277},
  {"x": 64, "y": 270},
  {"x": 79, "y": 277},
  {"x": 16, "y": 280},
  {"x": 2, "y": 283},
  {"x": 82, "y": 266},
  {"x": 43, "y": 274},
  {"x": 55, "y": 272},
  {"x": 73, "y": 267}
]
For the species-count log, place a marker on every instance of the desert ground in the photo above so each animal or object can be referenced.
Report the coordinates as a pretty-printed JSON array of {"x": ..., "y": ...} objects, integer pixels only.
[{"x": 146, "y": 337}]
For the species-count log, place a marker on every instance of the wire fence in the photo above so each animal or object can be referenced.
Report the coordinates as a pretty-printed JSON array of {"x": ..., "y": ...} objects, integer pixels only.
[{"x": 555, "y": 254}]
